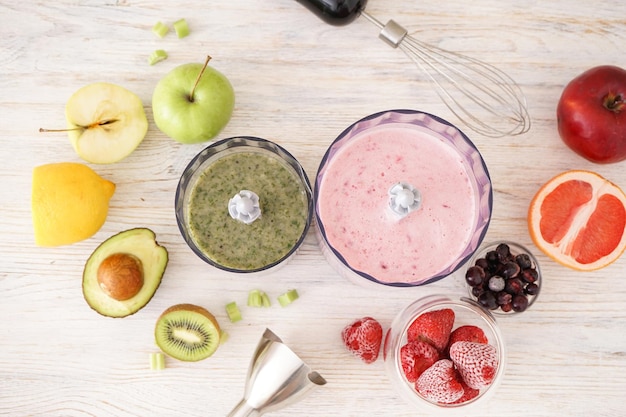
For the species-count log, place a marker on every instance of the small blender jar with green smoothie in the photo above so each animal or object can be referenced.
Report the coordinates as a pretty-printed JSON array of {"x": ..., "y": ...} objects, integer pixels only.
[{"x": 244, "y": 205}]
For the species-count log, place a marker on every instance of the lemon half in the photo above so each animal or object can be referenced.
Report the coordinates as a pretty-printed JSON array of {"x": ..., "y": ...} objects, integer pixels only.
[{"x": 70, "y": 203}]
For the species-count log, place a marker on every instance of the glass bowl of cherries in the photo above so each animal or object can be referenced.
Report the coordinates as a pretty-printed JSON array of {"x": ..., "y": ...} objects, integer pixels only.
[{"x": 503, "y": 277}]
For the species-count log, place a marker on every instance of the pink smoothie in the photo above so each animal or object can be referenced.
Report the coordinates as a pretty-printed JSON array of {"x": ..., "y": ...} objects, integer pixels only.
[{"x": 353, "y": 204}]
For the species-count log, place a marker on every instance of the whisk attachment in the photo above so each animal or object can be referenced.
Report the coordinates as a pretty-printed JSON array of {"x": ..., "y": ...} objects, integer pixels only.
[{"x": 496, "y": 106}]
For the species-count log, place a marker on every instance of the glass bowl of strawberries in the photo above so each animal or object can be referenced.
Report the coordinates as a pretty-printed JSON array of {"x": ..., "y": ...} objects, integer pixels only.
[{"x": 444, "y": 354}]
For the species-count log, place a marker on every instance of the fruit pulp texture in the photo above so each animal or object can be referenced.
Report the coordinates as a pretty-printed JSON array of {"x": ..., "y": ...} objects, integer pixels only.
[
  {"x": 571, "y": 207},
  {"x": 231, "y": 243},
  {"x": 353, "y": 204}
]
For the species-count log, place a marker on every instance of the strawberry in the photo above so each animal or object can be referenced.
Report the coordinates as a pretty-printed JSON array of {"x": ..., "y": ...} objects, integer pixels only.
[
  {"x": 477, "y": 362},
  {"x": 440, "y": 383},
  {"x": 467, "y": 333},
  {"x": 468, "y": 393},
  {"x": 415, "y": 357},
  {"x": 433, "y": 327},
  {"x": 363, "y": 338}
]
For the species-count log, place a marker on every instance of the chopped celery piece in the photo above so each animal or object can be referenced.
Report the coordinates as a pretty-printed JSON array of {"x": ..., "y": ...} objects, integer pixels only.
[
  {"x": 224, "y": 336},
  {"x": 160, "y": 29},
  {"x": 157, "y": 361},
  {"x": 234, "y": 314},
  {"x": 288, "y": 298},
  {"x": 181, "y": 27},
  {"x": 265, "y": 300},
  {"x": 157, "y": 56},
  {"x": 255, "y": 299}
]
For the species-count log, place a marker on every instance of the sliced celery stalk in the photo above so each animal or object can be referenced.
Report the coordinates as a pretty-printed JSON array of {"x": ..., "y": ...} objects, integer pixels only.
[
  {"x": 234, "y": 314},
  {"x": 265, "y": 300},
  {"x": 224, "y": 336},
  {"x": 288, "y": 297},
  {"x": 181, "y": 27},
  {"x": 160, "y": 29},
  {"x": 157, "y": 56},
  {"x": 157, "y": 361},
  {"x": 255, "y": 299}
]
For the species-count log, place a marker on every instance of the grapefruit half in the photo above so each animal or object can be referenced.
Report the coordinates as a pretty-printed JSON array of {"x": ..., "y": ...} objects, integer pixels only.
[{"x": 578, "y": 218}]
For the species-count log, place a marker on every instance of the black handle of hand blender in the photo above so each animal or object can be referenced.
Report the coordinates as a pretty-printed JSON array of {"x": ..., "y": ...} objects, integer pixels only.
[{"x": 335, "y": 12}]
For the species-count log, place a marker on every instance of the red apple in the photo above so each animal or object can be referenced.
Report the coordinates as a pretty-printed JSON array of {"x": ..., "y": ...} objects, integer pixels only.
[{"x": 591, "y": 114}]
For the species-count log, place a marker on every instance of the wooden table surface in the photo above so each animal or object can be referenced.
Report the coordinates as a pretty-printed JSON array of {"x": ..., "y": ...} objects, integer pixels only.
[{"x": 299, "y": 82}]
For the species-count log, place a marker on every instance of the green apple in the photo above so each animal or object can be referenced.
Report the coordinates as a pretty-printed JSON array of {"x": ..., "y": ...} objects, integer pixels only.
[
  {"x": 105, "y": 122},
  {"x": 193, "y": 103}
]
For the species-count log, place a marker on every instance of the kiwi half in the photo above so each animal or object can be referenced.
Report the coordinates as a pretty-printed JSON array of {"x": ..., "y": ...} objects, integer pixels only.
[{"x": 187, "y": 332}]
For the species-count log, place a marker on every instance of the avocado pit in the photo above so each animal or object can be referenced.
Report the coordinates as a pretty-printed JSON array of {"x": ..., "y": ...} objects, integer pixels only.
[{"x": 120, "y": 276}]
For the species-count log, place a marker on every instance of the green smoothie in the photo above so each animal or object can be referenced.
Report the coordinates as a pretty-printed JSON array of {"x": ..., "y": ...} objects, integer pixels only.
[{"x": 231, "y": 243}]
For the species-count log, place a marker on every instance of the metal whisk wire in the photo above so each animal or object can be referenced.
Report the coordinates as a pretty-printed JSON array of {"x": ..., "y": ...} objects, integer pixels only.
[{"x": 492, "y": 92}]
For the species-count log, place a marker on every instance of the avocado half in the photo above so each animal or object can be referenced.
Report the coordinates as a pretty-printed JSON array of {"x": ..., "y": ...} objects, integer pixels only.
[{"x": 139, "y": 244}]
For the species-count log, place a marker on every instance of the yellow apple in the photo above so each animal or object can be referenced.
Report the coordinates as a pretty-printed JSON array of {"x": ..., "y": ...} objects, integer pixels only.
[{"x": 105, "y": 122}]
